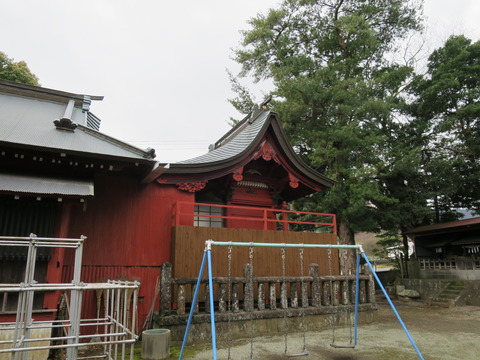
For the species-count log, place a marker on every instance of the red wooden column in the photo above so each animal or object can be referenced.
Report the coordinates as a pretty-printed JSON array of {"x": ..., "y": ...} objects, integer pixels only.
[{"x": 55, "y": 265}]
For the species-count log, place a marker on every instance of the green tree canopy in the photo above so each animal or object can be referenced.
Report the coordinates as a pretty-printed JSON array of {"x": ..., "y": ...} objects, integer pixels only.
[
  {"x": 16, "y": 71},
  {"x": 336, "y": 92},
  {"x": 448, "y": 102}
]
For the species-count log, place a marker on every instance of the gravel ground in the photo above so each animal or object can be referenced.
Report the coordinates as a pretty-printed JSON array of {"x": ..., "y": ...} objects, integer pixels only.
[{"x": 439, "y": 333}]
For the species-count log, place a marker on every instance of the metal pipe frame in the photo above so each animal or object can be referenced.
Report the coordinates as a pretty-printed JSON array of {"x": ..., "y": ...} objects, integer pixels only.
[
  {"x": 359, "y": 251},
  {"x": 119, "y": 322}
]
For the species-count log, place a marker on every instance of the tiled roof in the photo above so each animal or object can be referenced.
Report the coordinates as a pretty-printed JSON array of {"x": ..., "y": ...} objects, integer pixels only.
[
  {"x": 445, "y": 226},
  {"x": 28, "y": 121},
  {"x": 238, "y": 147},
  {"x": 234, "y": 143}
]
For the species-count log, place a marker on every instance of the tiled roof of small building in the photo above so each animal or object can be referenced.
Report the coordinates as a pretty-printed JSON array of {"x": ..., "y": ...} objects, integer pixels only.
[{"x": 27, "y": 115}]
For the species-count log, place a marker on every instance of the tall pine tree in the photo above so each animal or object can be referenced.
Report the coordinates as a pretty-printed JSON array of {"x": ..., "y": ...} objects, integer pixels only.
[{"x": 336, "y": 92}]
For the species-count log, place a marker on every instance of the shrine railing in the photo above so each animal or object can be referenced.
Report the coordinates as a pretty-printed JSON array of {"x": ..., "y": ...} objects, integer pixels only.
[
  {"x": 215, "y": 215},
  {"x": 267, "y": 296},
  {"x": 456, "y": 263}
]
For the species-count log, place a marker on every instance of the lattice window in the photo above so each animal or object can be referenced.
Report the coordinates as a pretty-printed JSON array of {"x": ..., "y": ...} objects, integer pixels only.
[{"x": 205, "y": 219}]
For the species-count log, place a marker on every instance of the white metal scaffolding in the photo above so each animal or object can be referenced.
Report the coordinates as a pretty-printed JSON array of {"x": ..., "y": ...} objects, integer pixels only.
[{"x": 113, "y": 331}]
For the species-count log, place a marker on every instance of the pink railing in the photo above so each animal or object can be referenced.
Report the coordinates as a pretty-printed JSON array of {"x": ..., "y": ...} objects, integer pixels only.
[{"x": 279, "y": 219}]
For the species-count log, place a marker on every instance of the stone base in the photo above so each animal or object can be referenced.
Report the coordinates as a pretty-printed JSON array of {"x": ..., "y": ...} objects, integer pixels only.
[{"x": 240, "y": 329}]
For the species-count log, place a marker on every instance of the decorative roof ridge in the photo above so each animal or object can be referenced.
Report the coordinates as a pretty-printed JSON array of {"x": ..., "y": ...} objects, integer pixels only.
[
  {"x": 38, "y": 92},
  {"x": 248, "y": 119},
  {"x": 148, "y": 154},
  {"x": 44, "y": 90}
]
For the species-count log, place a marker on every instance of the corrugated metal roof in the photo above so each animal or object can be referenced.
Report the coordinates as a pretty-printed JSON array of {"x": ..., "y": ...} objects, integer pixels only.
[
  {"x": 45, "y": 186},
  {"x": 28, "y": 121},
  {"x": 235, "y": 143}
]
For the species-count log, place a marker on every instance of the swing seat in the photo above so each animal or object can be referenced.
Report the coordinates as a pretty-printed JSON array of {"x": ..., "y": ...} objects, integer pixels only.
[
  {"x": 342, "y": 346},
  {"x": 296, "y": 355}
]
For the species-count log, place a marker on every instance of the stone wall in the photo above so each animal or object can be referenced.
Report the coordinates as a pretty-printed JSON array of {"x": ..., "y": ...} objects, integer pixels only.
[
  {"x": 240, "y": 329},
  {"x": 427, "y": 288},
  {"x": 450, "y": 274},
  {"x": 430, "y": 288}
]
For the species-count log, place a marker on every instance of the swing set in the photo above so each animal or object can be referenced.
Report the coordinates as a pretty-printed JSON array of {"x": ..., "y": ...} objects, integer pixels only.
[{"x": 207, "y": 258}]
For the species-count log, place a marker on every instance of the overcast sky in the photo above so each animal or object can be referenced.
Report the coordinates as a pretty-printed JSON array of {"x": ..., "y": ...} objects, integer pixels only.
[{"x": 161, "y": 65}]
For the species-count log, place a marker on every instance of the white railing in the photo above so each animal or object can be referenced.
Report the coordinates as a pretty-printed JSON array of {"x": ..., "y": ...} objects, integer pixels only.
[{"x": 456, "y": 263}]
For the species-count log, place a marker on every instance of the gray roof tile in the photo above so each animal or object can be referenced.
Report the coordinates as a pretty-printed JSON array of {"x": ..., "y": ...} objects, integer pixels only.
[
  {"x": 29, "y": 122},
  {"x": 235, "y": 143}
]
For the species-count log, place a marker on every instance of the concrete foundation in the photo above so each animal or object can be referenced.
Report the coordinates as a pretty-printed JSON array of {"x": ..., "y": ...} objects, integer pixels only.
[
  {"x": 430, "y": 288},
  {"x": 156, "y": 344},
  {"x": 275, "y": 326}
]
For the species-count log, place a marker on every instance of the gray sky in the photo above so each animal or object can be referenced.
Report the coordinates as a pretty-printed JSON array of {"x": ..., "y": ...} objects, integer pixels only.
[{"x": 161, "y": 65}]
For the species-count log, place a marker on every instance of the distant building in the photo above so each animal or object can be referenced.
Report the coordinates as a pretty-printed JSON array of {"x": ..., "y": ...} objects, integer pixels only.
[{"x": 449, "y": 250}]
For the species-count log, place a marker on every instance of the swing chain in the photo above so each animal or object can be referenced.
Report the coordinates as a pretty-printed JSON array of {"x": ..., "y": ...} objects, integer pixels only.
[
  {"x": 283, "y": 293},
  {"x": 229, "y": 297},
  {"x": 333, "y": 319},
  {"x": 302, "y": 310},
  {"x": 250, "y": 256}
]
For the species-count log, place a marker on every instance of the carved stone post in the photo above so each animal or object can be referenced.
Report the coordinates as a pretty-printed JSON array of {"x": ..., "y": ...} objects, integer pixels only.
[
  {"x": 345, "y": 293},
  {"x": 336, "y": 290},
  {"x": 283, "y": 295},
  {"x": 248, "y": 290},
  {"x": 273, "y": 296},
  {"x": 195, "y": 308},
  {"x": 207, "y": 299},
  {"x": 222, "y": 288},
  {"x": 316, "y": 294},
  {"x": 166, "y": 288},
  {"x": 371, "y": 290},
  {"x": 326, "y": 293},
  {"x": 305, "y": 294},
  {"x": 261, "y": 296},
  {"x": 293, "y": 295},
  {"x": 363, "y": 292},
  {"x": 181, "y": 300},
  {"x": 235, "y": 297}
]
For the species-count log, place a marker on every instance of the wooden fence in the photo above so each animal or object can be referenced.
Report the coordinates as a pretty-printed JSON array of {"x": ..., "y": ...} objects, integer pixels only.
[{"x": 188, "y": 246}]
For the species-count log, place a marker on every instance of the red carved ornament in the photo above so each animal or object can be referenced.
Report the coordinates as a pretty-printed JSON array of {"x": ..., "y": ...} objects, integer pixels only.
[
  {"x": 267, "y": 153},
  {"x": 192, "y": 186},
  {"x": 294, "y": 182},
  {"x": 238, "y": 174}
]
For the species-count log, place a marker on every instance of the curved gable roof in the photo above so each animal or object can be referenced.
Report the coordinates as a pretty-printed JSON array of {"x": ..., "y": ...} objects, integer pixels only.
[{"x": 238, "y": 147}]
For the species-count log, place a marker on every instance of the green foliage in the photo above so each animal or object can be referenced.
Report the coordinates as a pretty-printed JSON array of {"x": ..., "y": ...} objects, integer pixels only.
[
  {"x": 447, "y": 101},
  {"x": 16, "y": 71},
  {"x": 386, "y": 244},
  {"x": 337, "y": 94}
]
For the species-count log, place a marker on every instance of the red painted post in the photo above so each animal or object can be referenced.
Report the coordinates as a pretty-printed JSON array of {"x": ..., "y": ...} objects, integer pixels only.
[
  {"x": 175, "y": 214},
  {"x": 265, "y": 224},
  {"x": 285, "y": 221}
]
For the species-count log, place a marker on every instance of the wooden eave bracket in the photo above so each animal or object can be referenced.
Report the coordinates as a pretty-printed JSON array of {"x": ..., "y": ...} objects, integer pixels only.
[
  {"x": 293, "y": 181},
  {"x": 238, "y": 174},
  {"x": 267, "y": 153}
]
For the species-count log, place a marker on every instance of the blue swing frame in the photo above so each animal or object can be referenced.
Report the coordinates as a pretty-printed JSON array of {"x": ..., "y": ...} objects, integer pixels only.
[{"x": 207, "y": 257}]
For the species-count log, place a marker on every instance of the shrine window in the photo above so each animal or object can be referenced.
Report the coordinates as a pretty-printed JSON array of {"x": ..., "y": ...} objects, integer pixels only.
[{"x": 206, "y": 216}]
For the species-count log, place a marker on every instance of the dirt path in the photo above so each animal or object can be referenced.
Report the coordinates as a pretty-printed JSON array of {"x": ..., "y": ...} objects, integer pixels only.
[{"x": 439, "y": 333}]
